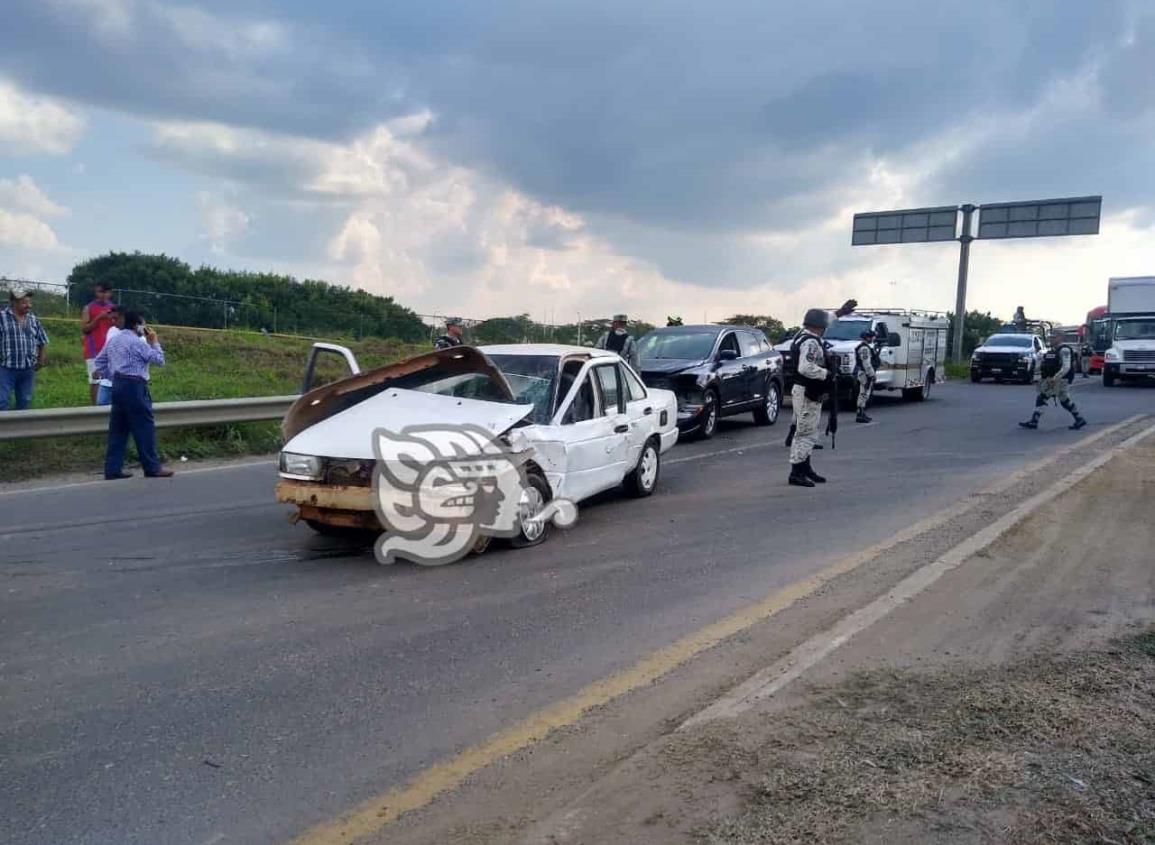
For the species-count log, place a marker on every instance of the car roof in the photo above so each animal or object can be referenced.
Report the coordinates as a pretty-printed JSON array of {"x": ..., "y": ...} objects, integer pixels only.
[{"x": 550, "y": 349}]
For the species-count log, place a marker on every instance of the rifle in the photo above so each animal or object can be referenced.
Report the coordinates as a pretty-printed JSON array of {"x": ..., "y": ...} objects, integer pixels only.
[{"x": 833, "y": 362}]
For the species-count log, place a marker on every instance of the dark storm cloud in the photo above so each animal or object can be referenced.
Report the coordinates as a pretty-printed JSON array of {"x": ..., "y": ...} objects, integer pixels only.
[{"x": 659, "y": 121}]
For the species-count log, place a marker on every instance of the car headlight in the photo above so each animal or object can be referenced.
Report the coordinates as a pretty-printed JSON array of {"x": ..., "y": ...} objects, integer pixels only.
[
  {"x": 1026, "y": 359},
  {"x": 1111, "y": 355},
  {"x": 307, "y": 467}
]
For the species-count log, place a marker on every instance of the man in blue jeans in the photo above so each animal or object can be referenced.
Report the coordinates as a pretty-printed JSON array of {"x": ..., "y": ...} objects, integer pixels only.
[
  {"x": 22, "y": 342},
  {"x": 126, "y": 360}
]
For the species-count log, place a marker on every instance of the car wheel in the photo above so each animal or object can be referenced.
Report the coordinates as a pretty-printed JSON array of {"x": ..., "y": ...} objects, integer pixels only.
[
  {"x": 643, "y": 478},
  {"x": 1108, "y": 378},
  {"x": 976, "y": 377},
  {"x": 767, "y": 412},
  {"x": 533, "y": 498},
  {"x": 709, "y": 426},
  {"x": 1029, "y": 378}
]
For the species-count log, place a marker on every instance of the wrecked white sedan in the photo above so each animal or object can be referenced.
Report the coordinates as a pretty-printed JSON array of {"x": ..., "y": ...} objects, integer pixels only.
[{"x": 583, "y": 419}]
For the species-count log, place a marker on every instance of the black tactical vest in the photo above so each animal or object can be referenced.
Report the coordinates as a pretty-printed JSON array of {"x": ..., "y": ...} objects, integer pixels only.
[
  {"x": 616, "y": 342},
  {"x": 1053, "y": 362},
  {"x": 815, "y": 387}
]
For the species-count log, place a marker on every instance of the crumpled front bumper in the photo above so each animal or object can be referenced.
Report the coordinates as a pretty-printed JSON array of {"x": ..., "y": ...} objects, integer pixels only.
[{"x": 330, "y": 504}]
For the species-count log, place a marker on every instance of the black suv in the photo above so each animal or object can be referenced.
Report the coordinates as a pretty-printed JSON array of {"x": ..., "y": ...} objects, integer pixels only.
[{"x": 715, "y": 371}]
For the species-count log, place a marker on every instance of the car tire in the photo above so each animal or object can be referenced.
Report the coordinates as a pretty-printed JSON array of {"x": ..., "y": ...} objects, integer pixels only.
[
  {"x": 534, "y": 498},
  {"x": 1108, "y": 378},
  {"x": 643, "y": 478},
  {"x": 767, "y": 412},
  {"x": 976, "y": 377},
  {"x": 1029, "y": 378},
  {"x": 709, "y": 426}
]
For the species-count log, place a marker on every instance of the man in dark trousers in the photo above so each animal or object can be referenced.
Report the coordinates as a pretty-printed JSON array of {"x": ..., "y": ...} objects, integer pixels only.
[{"x": 126, "y": 360}]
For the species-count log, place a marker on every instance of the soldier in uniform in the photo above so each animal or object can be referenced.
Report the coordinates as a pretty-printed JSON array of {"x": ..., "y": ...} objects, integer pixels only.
[
  {"x": 619, "y": 340},
  {"x": 864, "y": 367},
  {"x": 813, "y": 380},
  {"x": 452, "y": 336},
  {"x": 1057, "y": 371},
  {"x": 831, "y": 317}
]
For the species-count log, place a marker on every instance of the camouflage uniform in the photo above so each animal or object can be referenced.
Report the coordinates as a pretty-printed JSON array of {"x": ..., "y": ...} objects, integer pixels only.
[
  {"x": 1055, "y": 387},
  {"x": 811, "y": 357},
  {"x": 866, "y": 375}
]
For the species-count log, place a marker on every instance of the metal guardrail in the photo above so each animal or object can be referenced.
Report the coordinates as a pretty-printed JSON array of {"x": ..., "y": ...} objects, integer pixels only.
[{"x": 56, "y": 422}]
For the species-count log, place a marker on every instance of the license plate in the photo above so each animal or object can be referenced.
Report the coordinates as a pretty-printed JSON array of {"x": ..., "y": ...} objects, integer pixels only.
[{"x": 996, "y": 369}]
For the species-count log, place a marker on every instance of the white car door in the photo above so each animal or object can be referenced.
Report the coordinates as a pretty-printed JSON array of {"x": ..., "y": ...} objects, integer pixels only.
[
  {"x": 642, "y": 414},
  {"x": 589, "y": 440},
  {"x": 608, "y": 379}
]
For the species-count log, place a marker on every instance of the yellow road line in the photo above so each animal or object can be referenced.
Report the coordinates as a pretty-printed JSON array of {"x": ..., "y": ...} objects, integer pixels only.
[{"x": 374, "y": 814}]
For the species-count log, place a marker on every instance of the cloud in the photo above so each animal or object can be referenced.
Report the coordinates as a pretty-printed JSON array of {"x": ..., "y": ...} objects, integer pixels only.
[
  {"x": 34, "y": 124},
  {"x": 23, "y": 194},
  {"x": 23, "y": 231},
  {"x": 221, "y": 223}
]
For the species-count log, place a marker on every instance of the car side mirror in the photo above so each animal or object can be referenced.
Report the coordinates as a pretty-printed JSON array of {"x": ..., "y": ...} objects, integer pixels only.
[
  {"x": 727, "y": 354},
  {"x": 893, "y": 339}
]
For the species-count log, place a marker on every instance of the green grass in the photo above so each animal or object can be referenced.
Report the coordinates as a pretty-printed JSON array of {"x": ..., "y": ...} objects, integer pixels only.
[
  {"x": 201, "y": 365},
  {"x": 960, "y": 371}
]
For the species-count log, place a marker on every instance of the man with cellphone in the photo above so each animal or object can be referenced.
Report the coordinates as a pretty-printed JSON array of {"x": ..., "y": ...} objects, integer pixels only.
[{"x": 126, "y": 359}]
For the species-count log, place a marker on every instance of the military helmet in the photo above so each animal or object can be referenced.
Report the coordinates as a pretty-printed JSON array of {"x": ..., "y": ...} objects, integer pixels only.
[
  {"x": 817, "y": 318},
  {"x": 454, "y": 321}
]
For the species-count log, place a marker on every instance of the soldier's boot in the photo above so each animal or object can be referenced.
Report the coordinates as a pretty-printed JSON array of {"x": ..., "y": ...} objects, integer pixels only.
[
  {"x": 798, "y": 476},
  {"x": 862, "y": 417},
  {"x": 1033, "y": 422},
  {"x": 811, "y": 474},
  {"x": 1079, "y": 423},
  {"x": 790, "y": 434}
]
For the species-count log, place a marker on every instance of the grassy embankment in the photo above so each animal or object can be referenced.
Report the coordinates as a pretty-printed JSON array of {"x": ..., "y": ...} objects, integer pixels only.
[{"x": 202, "y": 364}]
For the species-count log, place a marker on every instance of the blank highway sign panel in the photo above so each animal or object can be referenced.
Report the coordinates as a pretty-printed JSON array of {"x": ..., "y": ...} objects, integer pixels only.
[
  {"x": 907, "y": 226},
  {"x": 1040, "y": 218}
]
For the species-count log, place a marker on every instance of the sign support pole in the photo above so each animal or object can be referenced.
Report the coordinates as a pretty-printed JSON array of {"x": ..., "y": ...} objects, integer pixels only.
[{"x": 960, "y": 302}]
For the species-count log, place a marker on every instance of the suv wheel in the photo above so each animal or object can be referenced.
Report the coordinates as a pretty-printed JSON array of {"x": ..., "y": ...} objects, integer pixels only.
[
  {"x": 767, "y": 412},
  {"x": 709, "y": 426}
]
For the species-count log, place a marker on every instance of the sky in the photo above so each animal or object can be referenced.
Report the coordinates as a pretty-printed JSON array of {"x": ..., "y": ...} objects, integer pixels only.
[{"x": 587, "y": 157}]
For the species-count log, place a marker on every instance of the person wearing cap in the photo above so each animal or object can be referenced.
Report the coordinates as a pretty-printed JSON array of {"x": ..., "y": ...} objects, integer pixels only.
[
  {"x": 619, "y": 340},
  {"x": 96, "y": 318},
  {"x": 864, "y": 370},
  {"x": 452, "y": 336},
  {"x": 22, "y": 343}
]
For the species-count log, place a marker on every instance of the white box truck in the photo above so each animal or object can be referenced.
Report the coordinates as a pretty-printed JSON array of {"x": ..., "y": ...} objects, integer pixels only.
[{"x": 1131, "y": 308}]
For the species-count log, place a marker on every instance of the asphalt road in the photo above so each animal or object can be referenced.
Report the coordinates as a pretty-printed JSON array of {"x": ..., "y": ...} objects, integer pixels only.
[{"x": 179, "y": 664}]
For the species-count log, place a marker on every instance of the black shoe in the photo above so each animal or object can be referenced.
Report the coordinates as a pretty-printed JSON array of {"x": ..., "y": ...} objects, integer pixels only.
[
  {"x": 1079, "y": 423},
  {"x": 862, "y": 418},
  {"x": 790, "y": 435},
  {"x": 118, "y": 476},
  {"x": 1029, "y": 424},
  {"x": 798, "y": 476},
  {"x": 160, "y": 473},
  {"x": 819, "y": 446},
  {"x": 809, "y": 472}
]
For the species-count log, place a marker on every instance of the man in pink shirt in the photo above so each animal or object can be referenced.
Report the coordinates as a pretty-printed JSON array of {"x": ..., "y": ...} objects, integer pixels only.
[{"x": 95, "y": 320}]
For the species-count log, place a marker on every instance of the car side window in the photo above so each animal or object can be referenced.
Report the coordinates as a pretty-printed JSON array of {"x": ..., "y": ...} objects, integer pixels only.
[
  {"x": 613, "y": 402},
  {"x": 763, "y": 343},
  {"x": 583, "y": 406},
  {"x": 882, "y": 332},
  {"x": 729, "y": 341},
  {"x": 635, "y": 390},
  {"x": 748, "y": 344}
]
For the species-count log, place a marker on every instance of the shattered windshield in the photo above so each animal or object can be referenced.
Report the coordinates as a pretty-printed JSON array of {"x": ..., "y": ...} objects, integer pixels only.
[{"x": 532, "y": 378}]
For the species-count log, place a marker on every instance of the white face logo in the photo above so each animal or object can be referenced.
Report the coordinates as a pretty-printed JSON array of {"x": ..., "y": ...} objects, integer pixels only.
[{"x": 438, "y": 488}]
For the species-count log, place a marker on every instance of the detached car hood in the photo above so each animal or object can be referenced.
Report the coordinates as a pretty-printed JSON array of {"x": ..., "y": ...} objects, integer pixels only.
[
  {"x": 667, "y": 366},
  {"x": 349, "y": 434}
]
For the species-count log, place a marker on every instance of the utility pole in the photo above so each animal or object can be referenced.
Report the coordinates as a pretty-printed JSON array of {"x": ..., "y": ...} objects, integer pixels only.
[{"x": 960, "y": 299}]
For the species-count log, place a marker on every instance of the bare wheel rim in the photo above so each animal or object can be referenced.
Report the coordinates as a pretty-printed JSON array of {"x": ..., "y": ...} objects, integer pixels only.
[
  {"x": 530, "y": 505},
  {"x": 648, "y": 469},
  {"x": 772, "y": 403}
]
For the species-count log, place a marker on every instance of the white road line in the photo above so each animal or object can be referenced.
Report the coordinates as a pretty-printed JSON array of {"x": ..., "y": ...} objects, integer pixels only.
[
  {"x": 75, "y": 484},
  {"x": 778, "y": 676}
]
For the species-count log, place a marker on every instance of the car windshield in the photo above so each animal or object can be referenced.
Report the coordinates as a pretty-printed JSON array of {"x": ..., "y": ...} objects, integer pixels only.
[
  {"x": 1022, "y": 341},
  {"x": 532, "y": 378},
  {"x": 687, "y": 346},
  {"x": 1135, "y": 329},
  {"x": 846, "y": 330}
]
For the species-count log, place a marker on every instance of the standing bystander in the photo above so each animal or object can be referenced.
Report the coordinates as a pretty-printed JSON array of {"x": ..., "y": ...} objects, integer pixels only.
[
  {"x": 126, "y": 359},
  {"x": 22, "y": 342},
  {"x": 95, "y": 320}
]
